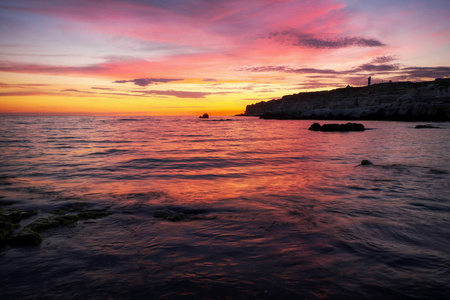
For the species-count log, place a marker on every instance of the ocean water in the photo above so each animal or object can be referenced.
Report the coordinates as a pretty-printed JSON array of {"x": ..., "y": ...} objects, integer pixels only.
[{"x": 258, "y": 209}]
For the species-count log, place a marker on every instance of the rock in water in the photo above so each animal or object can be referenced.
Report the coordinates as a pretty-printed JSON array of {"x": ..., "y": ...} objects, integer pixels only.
[
  {"x": 337, "y": 127},
  {"x": 315, "y": 127},
  {"x": 204, "y": 116},
  {"x": 425, "y": 126},
  {"x": 366, "y": 162}
]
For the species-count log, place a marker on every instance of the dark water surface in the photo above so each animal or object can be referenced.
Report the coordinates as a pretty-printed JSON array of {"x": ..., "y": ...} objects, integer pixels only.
[{"x": 257, "y": 209}]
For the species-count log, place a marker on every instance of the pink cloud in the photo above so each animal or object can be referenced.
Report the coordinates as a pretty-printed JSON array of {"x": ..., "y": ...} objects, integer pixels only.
[{"x": 216, "y": 39}]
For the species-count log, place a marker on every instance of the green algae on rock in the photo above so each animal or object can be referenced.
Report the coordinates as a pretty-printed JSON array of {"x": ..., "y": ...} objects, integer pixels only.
[
  {"x": 30, "y": 234},
  {"x": 10, "y": 219}
]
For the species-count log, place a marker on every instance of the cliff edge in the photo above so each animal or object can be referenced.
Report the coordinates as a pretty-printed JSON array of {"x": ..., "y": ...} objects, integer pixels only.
[{"x": 397, "y": 101}]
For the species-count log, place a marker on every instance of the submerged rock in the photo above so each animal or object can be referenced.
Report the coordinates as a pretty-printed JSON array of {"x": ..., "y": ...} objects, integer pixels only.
[
  {"x": 168, "y": 215},
  {"x": 177, "y": 214},
  {"x": 67, "y": 215},
  {"x": 337, "y": 127},
  {"x": 70, "y": 208},
  {"x": 426, "y": 126}
]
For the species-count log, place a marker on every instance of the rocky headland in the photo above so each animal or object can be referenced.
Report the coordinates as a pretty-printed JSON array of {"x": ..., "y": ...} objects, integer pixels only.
[{"x": 397, "y": 101}]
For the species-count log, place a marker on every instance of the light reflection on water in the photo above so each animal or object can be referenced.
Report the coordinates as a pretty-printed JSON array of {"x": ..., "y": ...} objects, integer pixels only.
[{"x": 270, "y": 209}]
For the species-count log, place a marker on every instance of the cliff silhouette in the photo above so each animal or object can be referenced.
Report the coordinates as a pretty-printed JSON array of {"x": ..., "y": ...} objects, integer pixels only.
[{"x": 397, "y": 101}]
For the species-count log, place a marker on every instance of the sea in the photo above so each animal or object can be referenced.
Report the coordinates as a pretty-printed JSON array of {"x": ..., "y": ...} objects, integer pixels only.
[{"x": 227, "y": 208}]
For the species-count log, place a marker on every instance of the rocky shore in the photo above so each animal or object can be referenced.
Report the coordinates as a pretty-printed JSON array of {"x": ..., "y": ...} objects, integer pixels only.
[
  {"x": 29, "y": 235},
  {"x": 397, "y": 101}
]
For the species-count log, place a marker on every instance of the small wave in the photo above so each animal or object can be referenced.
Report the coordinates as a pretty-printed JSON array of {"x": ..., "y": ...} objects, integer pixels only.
[
  {"x": 434, "y": 207},
  {"x": 188, "y": 163},
  {"x": 108, "y": 152},
  {"x": 14, "y": 141},
  {"x": 437, "y": 172},
  {"x": 129, "y": 120}
]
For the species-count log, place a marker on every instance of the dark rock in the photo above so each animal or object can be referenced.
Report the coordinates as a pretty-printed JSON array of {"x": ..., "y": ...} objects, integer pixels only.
[
  {"x": 204, "y": 116},
  {"x": 25, "y": 238},
  {"x": 169, "y": 215},
  {"x": 366, "y": 162},
  {"x": 426, "y": 126},
  {"x": 315, "y": 127},
  {"x": 337, "y": 127}
]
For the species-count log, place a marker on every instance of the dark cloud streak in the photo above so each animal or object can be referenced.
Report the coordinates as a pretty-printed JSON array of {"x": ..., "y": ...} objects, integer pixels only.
[
  {"x": 310, "y": 41},
  {"x": 377, "y": 68},
  {"x": 181, "y": 94},
  {"x": 357, "y": 75},
  {"x": 383, "y": 59},
  {"x": 287, "y": 69},
  {"x": 435, "y": 72},
  {"x": 148, "y": 81}
]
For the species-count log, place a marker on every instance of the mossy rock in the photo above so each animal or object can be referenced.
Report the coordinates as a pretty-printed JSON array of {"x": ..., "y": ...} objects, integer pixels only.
[
  {"x": 29, "y": 236},
  {"x": 6, "y": 228},
  {"x": 9, "y": 221},
  {"x": 42, "y": 224}
]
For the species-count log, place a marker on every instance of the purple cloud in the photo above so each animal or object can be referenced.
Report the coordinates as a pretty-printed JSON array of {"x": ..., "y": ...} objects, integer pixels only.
[
  {"x": 383, "y": 59},
  {"x": 287, "y": 69},
  {"x": 179, "y": 94},
  {"x": 307, "y": 40},
  {"x": 377, "y": 68},
  {"x": 148, "y": 81},
  {"x": 433, "y": 72}
]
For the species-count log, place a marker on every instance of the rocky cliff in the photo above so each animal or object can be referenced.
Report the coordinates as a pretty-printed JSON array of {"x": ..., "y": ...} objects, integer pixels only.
[{"x": 422, "y": 101}]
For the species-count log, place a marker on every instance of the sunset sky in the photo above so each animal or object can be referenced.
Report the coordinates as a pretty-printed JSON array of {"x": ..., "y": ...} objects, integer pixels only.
[{"x": 187, "y": 57}]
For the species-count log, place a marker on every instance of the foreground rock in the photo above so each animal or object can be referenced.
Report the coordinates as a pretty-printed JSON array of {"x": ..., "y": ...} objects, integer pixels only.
[
  {"x": 397, "y": 101},
  {"x": 10, "y": 220},
  {"x": 30, "y": 234},
  {"x": 337, "y": 127}
]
